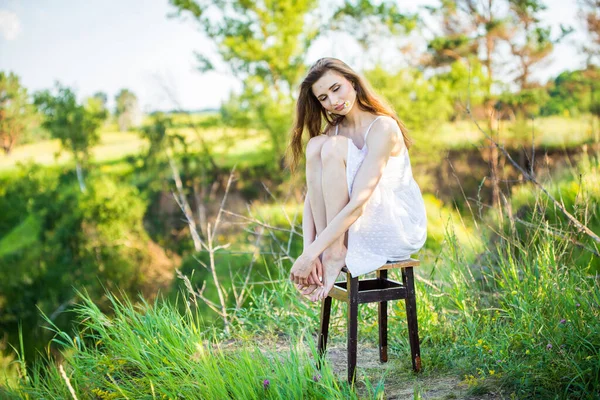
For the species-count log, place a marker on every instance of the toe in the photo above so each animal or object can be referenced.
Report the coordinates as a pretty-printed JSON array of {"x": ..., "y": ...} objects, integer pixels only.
[
  {"x": 309, "y": 289},
  {"x": 315, "y": 296}
]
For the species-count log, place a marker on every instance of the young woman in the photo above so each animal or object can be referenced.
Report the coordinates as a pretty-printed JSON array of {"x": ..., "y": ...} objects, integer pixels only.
[{"x": 363, "y": 206}]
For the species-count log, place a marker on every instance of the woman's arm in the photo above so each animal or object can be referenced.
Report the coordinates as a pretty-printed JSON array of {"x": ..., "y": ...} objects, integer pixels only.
[
  {"x": 380, "y": 143},
  {"x": 308, "y": 225}
]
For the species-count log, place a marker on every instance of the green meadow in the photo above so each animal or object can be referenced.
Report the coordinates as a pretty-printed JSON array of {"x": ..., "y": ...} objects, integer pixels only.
[{"x": 508, "y": 307}]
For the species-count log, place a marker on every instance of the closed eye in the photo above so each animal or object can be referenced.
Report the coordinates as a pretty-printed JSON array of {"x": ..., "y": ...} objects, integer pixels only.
[{"x": 335, "y": 89}]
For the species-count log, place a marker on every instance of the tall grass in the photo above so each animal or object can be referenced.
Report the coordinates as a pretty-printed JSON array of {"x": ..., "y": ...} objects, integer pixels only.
[
  {"x": 503, "y": 309},
  {"x": 152, "y": 351}
]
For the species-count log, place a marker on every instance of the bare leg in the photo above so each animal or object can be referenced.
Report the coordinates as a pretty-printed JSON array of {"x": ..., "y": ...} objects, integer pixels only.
[
  {"x": 315, "y": 191},
  {"x": 313, "y": 181},
  {"x": 335, "y": 196}
]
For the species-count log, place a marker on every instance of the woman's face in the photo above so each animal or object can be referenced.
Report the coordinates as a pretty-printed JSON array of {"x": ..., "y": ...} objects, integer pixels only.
[{"x": 335, "y": 93}]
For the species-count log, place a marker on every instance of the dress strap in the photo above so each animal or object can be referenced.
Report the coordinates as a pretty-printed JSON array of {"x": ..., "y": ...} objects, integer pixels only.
[
  {"x": 336, "y": 129},
  {"x": 369, "y": 128}
]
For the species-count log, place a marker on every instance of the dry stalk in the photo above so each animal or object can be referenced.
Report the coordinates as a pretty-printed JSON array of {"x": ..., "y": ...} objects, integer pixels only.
[
  {"x": 581, "y": 227},
  {"x": 67, "y": 381},
  {"x": 199, "y": 245}
]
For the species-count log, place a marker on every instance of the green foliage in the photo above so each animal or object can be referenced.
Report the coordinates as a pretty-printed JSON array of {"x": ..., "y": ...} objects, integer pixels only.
[
  {"x": 100, "y": 243},
  {"x": 519, "y": 313},
  {"x": 264, "y": 44},
  {"x": 418, "y": 101},
  {"x": 424, "y": 103},
  {"x": 127, "y": 109},
  {"x": 370, "y": 23},
  {"x": 75, "y": 125},
  {"x": 16, "y": 111},
  {"x": 524, "y": 104},
  {"x": 578, "y": 191},
  {"x": 446, "y": 50},
  {"x": 159, "y": 139},
  {"x": 573, "y": 92}
]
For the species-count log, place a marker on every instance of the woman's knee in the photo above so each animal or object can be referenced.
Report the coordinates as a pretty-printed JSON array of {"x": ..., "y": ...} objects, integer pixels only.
[
  {"x": 313, "y": 148},
  {"x": 334, "y": 148}
]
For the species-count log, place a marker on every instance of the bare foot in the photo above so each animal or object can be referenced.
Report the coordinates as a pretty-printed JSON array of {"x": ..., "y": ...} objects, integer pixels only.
[
  {"x": 332, "y": 265},
  {"x": 306, "y": 290}
]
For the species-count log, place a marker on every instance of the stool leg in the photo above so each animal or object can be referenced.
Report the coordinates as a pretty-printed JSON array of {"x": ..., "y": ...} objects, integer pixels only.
[
  {"x": 383, "y": 322},
  {"x": 324, "y": 329},
  {"x": 411, "y": 317},
  {"x": 352, "y": 288}
]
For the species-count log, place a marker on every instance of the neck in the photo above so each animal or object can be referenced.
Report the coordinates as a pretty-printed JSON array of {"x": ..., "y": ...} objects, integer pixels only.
[{"x": 357, "y": 118}]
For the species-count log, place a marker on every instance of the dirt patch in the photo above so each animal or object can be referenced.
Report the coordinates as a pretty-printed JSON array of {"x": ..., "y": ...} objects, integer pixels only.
[{"x": 399, "y": 381}]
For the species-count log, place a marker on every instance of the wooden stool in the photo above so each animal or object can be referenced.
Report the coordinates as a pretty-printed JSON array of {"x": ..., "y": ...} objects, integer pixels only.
[{"x": 381, "y": 290}]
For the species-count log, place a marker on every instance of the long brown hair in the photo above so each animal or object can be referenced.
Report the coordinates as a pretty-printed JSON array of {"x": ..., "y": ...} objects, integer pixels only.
[{"x": 311, "y": 115}]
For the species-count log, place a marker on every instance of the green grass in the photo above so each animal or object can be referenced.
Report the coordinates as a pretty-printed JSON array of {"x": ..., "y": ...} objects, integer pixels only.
[
  {"x": 229, "y": 146},
  {"x": 548, "y": 132},
  {"x": 250, "y": 147},
  {"x": 155, "y": 352},
  {"x": 21, "y": 236},
  {"x": 522, "y": 321},
  {"x": 501, "y": 308}
]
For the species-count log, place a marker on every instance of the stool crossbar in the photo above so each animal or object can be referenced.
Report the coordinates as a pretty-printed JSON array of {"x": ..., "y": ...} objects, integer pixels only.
[{"x": 381, "y": 290}]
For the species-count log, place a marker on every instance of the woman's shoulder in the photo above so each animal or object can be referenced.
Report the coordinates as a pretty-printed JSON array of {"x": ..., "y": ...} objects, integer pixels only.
[
  {"x": 386, "y": 125},
  {"x": 386, "y": 122}
]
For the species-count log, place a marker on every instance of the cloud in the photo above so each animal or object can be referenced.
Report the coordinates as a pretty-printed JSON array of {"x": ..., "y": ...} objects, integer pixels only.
[{"x": 10, "y": 26}]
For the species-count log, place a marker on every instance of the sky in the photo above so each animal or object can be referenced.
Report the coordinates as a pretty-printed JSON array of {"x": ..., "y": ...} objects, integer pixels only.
[{"x": 107, "y": 45}]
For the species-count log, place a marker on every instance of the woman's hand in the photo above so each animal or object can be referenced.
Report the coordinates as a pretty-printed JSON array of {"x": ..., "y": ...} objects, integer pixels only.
[
  {"x": 318, "y": 267},
  {"x": 305, "y": 267}
]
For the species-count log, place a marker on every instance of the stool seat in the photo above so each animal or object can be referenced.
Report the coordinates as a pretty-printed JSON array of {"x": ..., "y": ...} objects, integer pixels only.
[
  {"x": 355, "y": 291},
  {"x": 411, "y": 262}
]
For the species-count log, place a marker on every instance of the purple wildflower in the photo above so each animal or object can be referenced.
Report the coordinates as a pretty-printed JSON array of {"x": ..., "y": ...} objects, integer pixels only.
[
  {"x": 317, "y": 377},
  {"x": 549, "y": 346},
  {"x": 490, "y": 351},
  {"x": 266, "y": 383},
  {"x": 577, "y": 305},
  {"x": 563, "y": 321}
]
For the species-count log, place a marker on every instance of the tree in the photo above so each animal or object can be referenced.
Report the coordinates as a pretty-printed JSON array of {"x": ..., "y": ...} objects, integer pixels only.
[
  {"x": 572, "y": 92},
  {"x": 264, "y": 44},
  {"x": 75, "y": 125},
  {"x": 371, "y": 24},
  {"x": 100, "y": 99},
  {"x": 479, "y": 26},
  {"x": 469, "y": 28},
  {"x": 531, "y": 42},
  {"x": 16, "y": 112},
  {"x": 589, "y": 11},
  {"x": 127, "y": 110}
]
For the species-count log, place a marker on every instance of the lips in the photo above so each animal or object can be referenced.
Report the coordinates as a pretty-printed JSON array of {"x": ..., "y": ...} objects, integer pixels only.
[{"x": 340, "y": 107}]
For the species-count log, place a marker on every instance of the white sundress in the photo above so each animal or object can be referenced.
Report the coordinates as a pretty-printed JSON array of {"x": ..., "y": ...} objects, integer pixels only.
[{"x": 394, "y": 223}]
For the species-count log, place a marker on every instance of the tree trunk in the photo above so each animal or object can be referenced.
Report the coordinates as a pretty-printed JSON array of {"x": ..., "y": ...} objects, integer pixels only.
[{"x": 79, "y": 171}]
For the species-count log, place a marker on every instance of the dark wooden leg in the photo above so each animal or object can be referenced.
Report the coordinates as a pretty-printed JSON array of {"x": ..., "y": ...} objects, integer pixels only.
[
  {"x": 383, "y": 319},
  {"x": 411, "y": 317},
  {"x": 324, "y": 329},
  {"x": 352, "y": 287}
]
